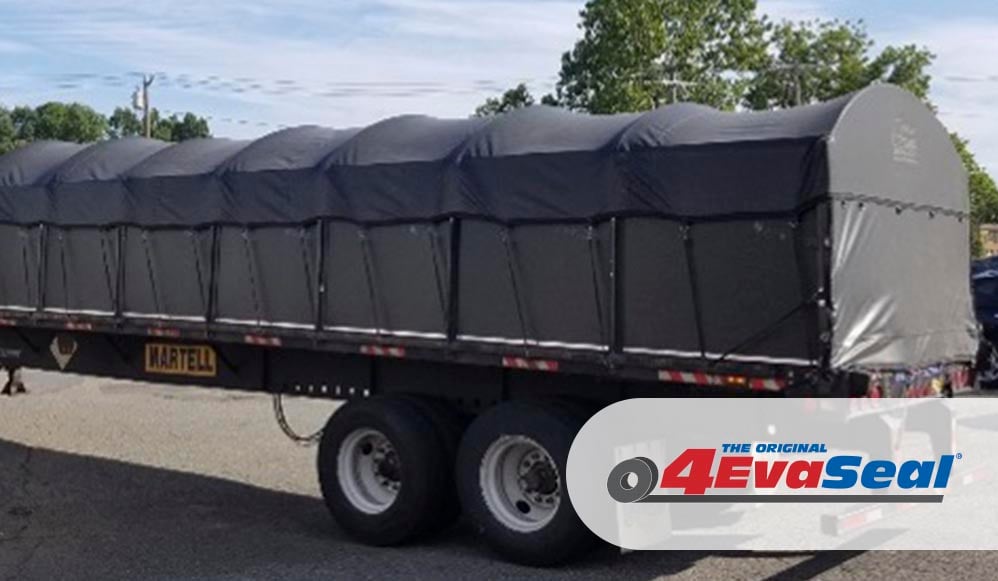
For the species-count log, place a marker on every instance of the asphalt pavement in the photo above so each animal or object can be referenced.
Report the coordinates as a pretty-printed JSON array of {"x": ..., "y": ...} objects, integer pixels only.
[{"x": 105, "y": 479}]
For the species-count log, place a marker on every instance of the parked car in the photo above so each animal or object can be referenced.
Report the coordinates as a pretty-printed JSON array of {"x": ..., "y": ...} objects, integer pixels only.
[{"x": 984, "y": 277}]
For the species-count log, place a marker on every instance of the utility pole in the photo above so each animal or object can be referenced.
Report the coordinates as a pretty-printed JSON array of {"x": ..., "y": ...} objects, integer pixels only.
[
  {"x": 146, "y": 121},
  {"x": 676, "y": 83},
  {"x": 140, "y": 100},
  {"x": 796, "y": 71}
]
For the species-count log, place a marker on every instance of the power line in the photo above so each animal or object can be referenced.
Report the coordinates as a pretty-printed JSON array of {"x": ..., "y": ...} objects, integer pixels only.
[{"x": 290, "y": 87}]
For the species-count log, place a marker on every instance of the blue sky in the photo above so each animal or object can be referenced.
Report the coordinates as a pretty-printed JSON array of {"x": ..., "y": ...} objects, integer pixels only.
[{"x": 256, "y": 66}]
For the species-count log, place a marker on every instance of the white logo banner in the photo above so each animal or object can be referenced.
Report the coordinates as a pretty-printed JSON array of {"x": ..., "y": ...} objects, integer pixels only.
[{"x": 789, "y": 474}]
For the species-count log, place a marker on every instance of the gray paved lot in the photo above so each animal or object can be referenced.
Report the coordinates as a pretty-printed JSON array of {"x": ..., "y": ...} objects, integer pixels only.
[{"x": 116, "y": 480}]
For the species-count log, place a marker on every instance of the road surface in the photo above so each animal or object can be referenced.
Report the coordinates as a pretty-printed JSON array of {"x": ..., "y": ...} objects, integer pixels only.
[{"x": 105, "y": 479}]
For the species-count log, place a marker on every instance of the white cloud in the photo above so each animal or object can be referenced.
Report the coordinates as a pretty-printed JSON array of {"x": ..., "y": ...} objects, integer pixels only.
[
  {"x": 965, "y": 77},
  {"x": 12, "y": 47},
  {"x": 779, "y": 10},
  {"x": 453, "y": 45}
]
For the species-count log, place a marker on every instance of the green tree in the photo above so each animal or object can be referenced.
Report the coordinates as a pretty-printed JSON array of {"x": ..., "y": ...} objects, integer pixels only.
[
  {"x": 123, "y": 122},
  {"x": 24, "y": 120},
  {"x": 8, "y": 136},
  {"x": 637, "y": 54},
  {"x": 126, "y": 123},
  {"x": 817, "y": 61},
  {"x": 983, "y": 194},
  {"x": 176, "y": 128},
  {"x": 514, "y": 98},
  {"x": 59, "y": 121}
]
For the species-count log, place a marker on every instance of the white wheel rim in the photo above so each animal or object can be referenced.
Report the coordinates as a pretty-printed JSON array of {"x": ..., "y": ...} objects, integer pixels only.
[
  {"x": 367, "y": 468},
  {"x": 520, "y": 483}
]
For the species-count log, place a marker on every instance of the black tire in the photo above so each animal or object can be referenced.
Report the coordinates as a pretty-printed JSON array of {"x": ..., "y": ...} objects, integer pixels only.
[
  {"x": 449, "y": 426},
  {"x": 553, "y": 427},
  {"x": 986, "y": 372},
  {"x": 422, "y": 466},
  {"x": 934, "y": 418},
  {"x": 873, "y": 436}
]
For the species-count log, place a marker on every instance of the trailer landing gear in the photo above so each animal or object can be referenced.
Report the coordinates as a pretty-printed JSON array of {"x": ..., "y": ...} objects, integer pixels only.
[{"x": 14, "y": 385}]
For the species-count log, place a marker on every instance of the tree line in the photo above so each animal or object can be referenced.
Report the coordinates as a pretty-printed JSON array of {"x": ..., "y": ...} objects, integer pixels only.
[
  {"x": 636, "y": 55},
  {"x": 79, "y": 123}
]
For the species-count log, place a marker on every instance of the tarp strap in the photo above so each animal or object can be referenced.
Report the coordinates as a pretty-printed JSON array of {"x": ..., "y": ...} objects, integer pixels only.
[
  {"x": 320, "y": 281},
  {"x": 506, "y": 234},
  {"x": 65, "y": 273},
  {"x": 433, "y": 238},
  {"x": 215, "y": 258},
  {"x": 453, "y": 272},
  {"x": 687, "y": 232},
  {"x": 43, "y": 262},
  {"x": 251, "y": 269},
  {"x": 372, "y": 291},
  {"x": 594, "y": 263},
  {"x": 107, "y": 266},
  {"x": 196, "y": 248},
  {"x": 768, "y": 330},
  {"x": 119, "y": 272},
  {"x": 614, "y": 339},
  {"x": 24, "y": 262},
  {"x": 303, "y": 242},
  {"x": 151, "y": 270}
]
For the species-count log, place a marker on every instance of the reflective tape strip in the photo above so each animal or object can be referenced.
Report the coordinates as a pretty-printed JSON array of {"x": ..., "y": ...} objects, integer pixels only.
[
  {"x": 262, "y": 340},
  {"x": 701, "y": 378},
  {"x": 766, "y": 384},
  {"x": 532, "y": 364},
  {"x": 160, "y": 332},
  {"x": 382, "y": 351}
]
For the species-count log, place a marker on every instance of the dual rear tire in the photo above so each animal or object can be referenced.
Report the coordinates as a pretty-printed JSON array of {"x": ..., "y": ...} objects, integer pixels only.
[
  {"x": 510, "y": 478},
  {"x": 394, "y": 469},
  {"x": 384, "y": 466}
]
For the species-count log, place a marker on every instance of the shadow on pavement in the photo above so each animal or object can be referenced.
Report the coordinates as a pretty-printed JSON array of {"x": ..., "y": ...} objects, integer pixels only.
[{"x": 66, "y": 516}]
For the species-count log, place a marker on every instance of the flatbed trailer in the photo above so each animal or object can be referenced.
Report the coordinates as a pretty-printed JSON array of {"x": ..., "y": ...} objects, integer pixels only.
[{"x": 476, "y": 288}]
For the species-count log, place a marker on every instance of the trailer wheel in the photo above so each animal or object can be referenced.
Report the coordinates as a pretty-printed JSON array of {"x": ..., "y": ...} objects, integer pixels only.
[
  {"x": 510, "y": 477},
  {"x": 382, "y": 471},
  {"x": 934, "y": 417}
]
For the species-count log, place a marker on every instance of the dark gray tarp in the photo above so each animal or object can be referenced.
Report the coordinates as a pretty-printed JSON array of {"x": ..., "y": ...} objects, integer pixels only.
[
  {"x": 531, "y": 165},
  {"x": 830, "y": 233}
]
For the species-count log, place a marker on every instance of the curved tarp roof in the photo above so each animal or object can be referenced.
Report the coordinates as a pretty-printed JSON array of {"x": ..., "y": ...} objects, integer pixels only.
[{"x": 534, "y": 164}]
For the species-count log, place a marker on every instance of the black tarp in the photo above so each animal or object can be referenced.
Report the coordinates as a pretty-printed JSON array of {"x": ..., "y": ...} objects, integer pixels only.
[
  {"x": 533, "y": 165},
  {"x": 741, "y": 235}
]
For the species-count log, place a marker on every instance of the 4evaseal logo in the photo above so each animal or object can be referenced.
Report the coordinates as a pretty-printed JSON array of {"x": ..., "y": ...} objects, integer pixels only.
[{"x": 693, "y": 473}]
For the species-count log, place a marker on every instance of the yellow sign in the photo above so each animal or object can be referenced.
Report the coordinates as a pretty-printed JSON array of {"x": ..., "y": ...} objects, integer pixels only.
[{"x": 189, "y": 360}]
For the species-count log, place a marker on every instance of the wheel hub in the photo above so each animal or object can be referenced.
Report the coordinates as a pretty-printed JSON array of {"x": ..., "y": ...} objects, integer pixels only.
[
  {"x": 520, "y": 483},
  {"x": 369, "y": 470}
]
